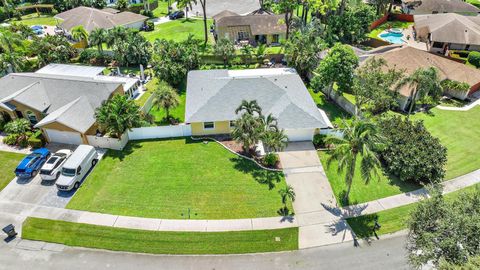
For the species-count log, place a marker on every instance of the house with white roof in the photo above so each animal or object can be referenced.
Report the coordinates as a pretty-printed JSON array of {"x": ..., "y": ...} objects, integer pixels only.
[{"x": 214, "y": 95}]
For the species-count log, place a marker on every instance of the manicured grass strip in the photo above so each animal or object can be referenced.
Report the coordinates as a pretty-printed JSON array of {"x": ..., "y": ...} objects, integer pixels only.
[
  {"x": 8, "y": 163},
  {"x": 33, "y": 19},
  {"x": 165, "y": 178},
  {"x": 377, "y": 188},
  {"x": 458, "y": 131},
  {"x": 391, "y": 220},
  {"x": 178, "y": 30},
  {"x": 93, "y": 236}
]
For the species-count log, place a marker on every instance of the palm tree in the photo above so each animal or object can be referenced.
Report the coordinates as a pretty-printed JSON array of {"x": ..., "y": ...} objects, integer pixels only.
[
  {"x": 287, "y": 193},
  {"x": 114, "y": 34},
  {"x": 97, "y": 37},
  {"x": 117, "y": 115},
  {"x": 166, "y": 97},
  {"x": 8, "y": 42},
  {"x": 270, "y": 122},
  {"x": 249, "y": 107},
  {"x": 247, "y": 52},
  {"x": 276, "y": 140},
  {"x": 247, "y": 131},
  {"x": 79, "y": 33},
  {"x": 360, "y": 140},
  {"x": 422, "y": 82}
]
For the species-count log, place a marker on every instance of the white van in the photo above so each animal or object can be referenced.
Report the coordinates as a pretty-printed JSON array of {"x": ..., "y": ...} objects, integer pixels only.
[{"x": 76, "y": 167}]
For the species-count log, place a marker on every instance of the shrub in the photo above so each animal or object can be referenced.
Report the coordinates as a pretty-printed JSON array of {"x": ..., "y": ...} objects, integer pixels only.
[
  {"x": 94, "y": 57},
  {"x": 455, "y": 86},
  {"x": 11, "y": 139},
  {"x": 270, "y": 159},
  {"x": 411, "y": 152},
  {"x": 147, "y": 13},
  {"x": 319, "y": 140},
  {"x": 150, "y": 26},
  {"x": 474, "y": 58},
  {"x": 36, "y": 140}
]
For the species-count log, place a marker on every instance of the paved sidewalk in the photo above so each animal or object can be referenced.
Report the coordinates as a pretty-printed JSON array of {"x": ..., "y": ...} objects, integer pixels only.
[{"x": 304, "y": 172}]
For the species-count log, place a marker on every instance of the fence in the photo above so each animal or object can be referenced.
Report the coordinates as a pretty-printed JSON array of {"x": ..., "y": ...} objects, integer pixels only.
[
  {"x": 341, "y": 101},
  {"x": 107, "y": 142},
  {"x": 379, "y": 22},
  {"x": 148, "y": 104},
  {"x": 160, "y": 132}
]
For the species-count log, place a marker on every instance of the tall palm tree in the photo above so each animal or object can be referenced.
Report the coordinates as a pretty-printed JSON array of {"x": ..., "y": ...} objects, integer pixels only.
[
  {"x": 247, "y": 131},
  {"x": 8, "y": 42},
  {"x": 166, "y": 97},
  {"x": 360, "y": 140},
  {"x": 97, "y": 37},
  {"x": 249, "y": 107},
  {"x": 270, "y": 122},
  {"x": 422, "y": 82},
  {"x": 79, "y": 33}
]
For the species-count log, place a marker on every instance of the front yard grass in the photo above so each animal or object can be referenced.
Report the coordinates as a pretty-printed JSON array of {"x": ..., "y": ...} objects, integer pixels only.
[
  {"x": 161, "y": 10},
  {"x": 377, "y": 188},
  {"x": 458, "y": 131},
  {"x": 8, "y": 162},
  {"x": 119, "y": 239},
  {"x": 392, "y": 220},
  {"x": 166, "y": 178},
  {"x": 178, "y": 30},
  {"x": 392, "y": 24},
  {"x": 34, "y": 19}
]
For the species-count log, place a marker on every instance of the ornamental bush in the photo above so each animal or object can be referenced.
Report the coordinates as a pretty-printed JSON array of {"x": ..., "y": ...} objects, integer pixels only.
[
  {"x": 411, "y": 152},
  {"x": 474, "y": 58},
  {"x": 270, "y": 159}
]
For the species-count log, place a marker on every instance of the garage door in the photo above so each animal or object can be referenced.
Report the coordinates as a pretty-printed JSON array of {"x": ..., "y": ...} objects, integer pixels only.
[
  {"x": 299, "y": 134},
  {"x": 64, "y": 136}
]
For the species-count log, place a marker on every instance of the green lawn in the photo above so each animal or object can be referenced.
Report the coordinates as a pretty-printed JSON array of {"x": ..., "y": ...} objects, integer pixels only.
[
  {"x": 334, "y": 112},
  {"x": 177, "y": 113},
  {"x": 458, "y": 131},
  {"x": 161, "y": 10},
  {"x": 474, "y": 2},
  {"x": 391, "y": 220},
  {"x": 392, "y": 24},
  {"x": 178, "y": 30},
  {"x": 150, "y": 86},
  {"x": 33, "y": 19},
  {"x": 92, "y": 236},
  {"x": 165, "y": 178},
  {"x": 8, "y": 163},
  {"x": 377, "y": 188}
]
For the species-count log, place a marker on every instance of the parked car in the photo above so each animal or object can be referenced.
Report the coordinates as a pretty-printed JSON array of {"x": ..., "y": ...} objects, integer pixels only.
[
  {"x": 76, "y": 167},
  {"x": 176, "y": 15},
  {"x": 31, "y": 164},
  {"x": 52, "y": 168}
]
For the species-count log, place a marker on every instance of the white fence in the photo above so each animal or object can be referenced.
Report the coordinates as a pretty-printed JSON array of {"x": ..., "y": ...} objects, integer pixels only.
[
  {"x": 160, "y": 132},
  {"x": 107, "y": 142},
  {"x": 148, "y": 104}
]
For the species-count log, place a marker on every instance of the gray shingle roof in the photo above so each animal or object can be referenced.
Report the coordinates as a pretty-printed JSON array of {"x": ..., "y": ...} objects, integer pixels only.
[
  {"x": 449, "y": 27},
  {"x": 260, "y": 24},
  {"x": 213, "y": 95},
  {"x": 50, "y": 93},
  {"x": 440, "y": 6}
]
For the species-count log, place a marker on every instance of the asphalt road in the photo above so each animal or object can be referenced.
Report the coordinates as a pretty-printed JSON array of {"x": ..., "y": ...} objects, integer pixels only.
[{"x": 384, "y": 254}]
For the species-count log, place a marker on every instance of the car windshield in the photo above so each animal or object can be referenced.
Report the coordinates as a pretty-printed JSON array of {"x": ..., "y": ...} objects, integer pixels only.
[
  {"x": 52, "y": 160},
  {"x": 68, "y": 172}
]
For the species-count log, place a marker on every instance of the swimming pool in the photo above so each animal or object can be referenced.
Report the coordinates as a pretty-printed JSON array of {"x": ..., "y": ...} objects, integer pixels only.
[{"x": 395, "y": 37}]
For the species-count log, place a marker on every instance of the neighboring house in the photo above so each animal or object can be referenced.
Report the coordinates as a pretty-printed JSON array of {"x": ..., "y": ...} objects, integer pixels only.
[
  {"x": 416, "y": 7},
  {"x": 63, "y": 107},
  {"x": 449, "y": 31},
  {"x": 410, "y": 59},
  {"x": 214, "y": 95},
  {"x": 91, "y": 18},
  {"x": 256, "y": 28},
  {"x": 131, "y": 86},
  {"x": 114, "y": 2}
]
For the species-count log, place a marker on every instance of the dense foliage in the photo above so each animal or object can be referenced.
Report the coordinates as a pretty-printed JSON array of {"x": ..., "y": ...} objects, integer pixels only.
[
  {"x": 474, "y": 58},
  {"x": 411, "y": 152},
  {"x": 445, "y": 232},
  {"x": 353, "y": 25},
  {"x": 172, "y": 60},
  {"x": 225, "y": 49},
  {"x": 373, "y": 86},
  {"x": 131, "y": 48},
  {"x": 53, "y": 49},
  {"x": 117, "y": 115}
]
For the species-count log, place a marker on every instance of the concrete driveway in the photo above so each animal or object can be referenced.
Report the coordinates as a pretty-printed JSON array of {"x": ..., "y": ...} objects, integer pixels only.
[
  {"x": 216, "y": 6},
  {"x": 315, "y": 204}
]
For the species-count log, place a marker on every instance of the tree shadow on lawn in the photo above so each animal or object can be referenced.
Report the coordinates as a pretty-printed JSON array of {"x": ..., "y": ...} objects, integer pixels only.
[
  {"x": 121, "y": 154},
  {"x": 363, "y": 225},
  {"x": 260, "y": 175}
]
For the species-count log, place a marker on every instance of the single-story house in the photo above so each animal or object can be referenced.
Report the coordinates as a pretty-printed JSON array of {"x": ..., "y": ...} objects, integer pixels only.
[
  {"x": 63, "y": 107},
  {"x": 410, "y": 59},
  {"x": 131, "y": 86},
  {"x": 448, "y": 31},
  {"x": 91, "y": 18},
  {"x": 417, "y": 7},
  {"x": 214, "y": 95},
  {"x": 256, "y": 28}
]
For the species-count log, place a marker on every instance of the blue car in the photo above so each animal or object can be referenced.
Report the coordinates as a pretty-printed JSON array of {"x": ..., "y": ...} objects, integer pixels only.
[{"x": 32, "y": 163}]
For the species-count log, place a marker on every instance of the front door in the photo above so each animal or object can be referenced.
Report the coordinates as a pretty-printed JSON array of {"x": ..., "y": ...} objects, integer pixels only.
[{"x": 19, "y": 114}]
